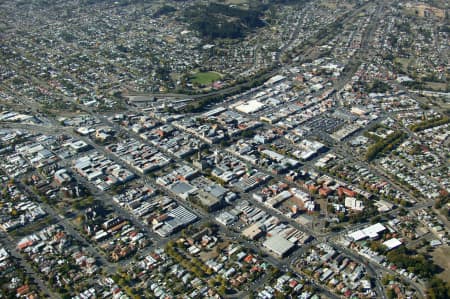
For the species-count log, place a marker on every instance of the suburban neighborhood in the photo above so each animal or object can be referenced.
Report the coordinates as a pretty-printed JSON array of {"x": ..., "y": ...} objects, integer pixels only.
[{"x": 224, "y": 149}]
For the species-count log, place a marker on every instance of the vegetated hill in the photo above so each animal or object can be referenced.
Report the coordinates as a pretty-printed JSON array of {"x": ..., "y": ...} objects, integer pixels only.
[
  {"x": 117, "y": 2},
  {"x": 223, "y": 21},
  {"x": 164, "y": 10}
]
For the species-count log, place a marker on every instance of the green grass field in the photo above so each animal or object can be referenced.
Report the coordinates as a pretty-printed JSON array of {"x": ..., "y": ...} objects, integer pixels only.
[{"x": 205, "y": 78}]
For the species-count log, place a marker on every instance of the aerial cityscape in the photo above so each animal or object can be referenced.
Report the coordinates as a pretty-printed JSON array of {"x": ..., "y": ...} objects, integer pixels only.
[{"x": 224, "y": 149}]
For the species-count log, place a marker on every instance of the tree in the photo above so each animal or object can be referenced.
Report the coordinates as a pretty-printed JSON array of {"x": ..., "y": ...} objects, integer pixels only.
[
  {"x": 14, "y": 213},
  {"x": 280, "y": 295},
  {"x": 402, "y": 212},
  {"x": 378, "y": 247},
  {"x": 387, "y": 278},
  {"x": 405, "y": 203},
  {"x": 405, "y": 258},
  {"x": 390, "y": 293},
  {"x": 222, "y": 290},
  {"x": 438, "y": 289}
]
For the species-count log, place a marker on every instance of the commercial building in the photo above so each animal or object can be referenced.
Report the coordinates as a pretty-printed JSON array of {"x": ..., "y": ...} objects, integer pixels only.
[{"x": 278, "y": 245}]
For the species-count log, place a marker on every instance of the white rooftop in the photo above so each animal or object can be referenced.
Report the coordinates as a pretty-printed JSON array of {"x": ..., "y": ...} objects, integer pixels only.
[
  {"x": 251, "y": 106},
  {"x": 371, "y": 232},
  {"x": 392, "y": 243}
]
